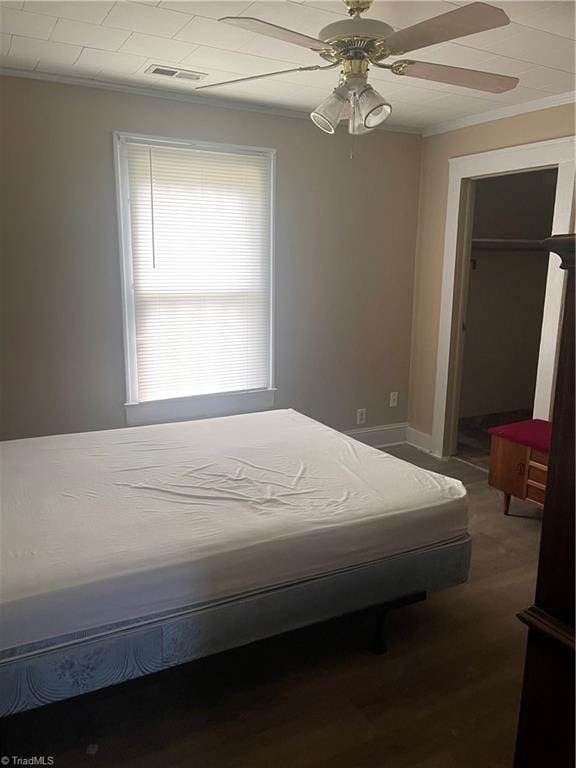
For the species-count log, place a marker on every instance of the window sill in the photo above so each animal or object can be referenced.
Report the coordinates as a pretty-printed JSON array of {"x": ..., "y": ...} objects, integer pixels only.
[{"x": 198, "y": 407}]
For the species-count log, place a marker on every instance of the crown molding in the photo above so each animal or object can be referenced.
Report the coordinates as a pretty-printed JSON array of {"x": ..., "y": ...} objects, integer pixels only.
[
  {"x": 502, "y": 112},
  {"x": 171, "y": 95}
]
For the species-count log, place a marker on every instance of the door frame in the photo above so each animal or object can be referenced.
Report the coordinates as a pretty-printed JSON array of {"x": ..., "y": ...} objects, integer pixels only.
[{"x": 556, "y": 153}]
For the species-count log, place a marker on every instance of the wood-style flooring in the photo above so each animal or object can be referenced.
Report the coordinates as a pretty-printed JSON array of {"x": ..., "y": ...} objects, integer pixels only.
[{"x": 444, "y": 696}]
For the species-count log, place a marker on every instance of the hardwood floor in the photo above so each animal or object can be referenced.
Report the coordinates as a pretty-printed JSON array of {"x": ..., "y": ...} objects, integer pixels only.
[
  {"x": 474, "y": 439},
  {"x": 445, "y": 695}
]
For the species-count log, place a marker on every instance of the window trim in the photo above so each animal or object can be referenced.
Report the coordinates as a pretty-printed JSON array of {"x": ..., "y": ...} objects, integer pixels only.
[{"x": 195, "y": 406}]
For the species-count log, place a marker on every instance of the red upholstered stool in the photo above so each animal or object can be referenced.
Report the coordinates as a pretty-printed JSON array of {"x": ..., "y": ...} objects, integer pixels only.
[{"x": 519, "y": 460}]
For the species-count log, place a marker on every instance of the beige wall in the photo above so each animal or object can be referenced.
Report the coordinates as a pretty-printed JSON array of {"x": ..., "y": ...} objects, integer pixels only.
[
  {"x": 345, "y": 256},
  {"x": 534, "y": 126}
]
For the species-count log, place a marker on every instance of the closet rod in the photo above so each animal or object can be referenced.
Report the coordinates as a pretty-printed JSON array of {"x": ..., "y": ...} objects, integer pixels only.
[{"x": 506, "y": 244}]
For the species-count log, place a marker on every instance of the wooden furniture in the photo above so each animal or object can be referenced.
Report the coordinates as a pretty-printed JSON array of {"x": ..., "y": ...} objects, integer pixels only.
[
  {"x": 546, "y": 726},
  {"x": 519, "y": 460}
]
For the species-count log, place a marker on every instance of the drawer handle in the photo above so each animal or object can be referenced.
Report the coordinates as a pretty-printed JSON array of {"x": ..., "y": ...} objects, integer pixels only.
[{"x": 520, "y": 467}]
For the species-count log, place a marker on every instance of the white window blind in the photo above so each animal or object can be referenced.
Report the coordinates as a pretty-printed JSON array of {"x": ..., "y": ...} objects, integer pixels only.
[{"x": 199, "y": 273}]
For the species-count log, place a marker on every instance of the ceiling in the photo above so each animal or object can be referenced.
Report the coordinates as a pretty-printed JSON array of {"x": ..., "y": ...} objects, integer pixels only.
[{"x": 117, "y": 41}]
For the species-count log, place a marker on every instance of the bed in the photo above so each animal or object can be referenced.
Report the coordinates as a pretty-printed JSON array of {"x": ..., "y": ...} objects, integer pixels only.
[{"x": 128, "y": 551}]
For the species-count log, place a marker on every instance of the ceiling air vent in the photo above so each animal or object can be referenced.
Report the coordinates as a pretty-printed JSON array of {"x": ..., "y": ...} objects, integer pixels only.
[{"x": 174, "y": 73}]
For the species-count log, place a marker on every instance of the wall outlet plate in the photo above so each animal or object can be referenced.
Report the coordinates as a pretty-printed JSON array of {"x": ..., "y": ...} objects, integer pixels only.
[
  {"x": 360, "y": 416},
  {"x": 393, "y": 399}
]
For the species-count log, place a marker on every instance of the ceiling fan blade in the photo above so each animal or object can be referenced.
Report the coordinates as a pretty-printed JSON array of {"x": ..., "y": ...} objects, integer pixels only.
[
  {"x": 466, "y": 78},
  {"x": 273, "y": 30},
  {"x": 268, "y": 74},
  {"x": 476, "y": 17}
]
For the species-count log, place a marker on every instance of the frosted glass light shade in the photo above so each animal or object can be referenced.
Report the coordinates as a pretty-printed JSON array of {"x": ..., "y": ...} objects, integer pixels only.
[
  {"x": 327, "y": 115},
  {"x": 373, "y": 107}
]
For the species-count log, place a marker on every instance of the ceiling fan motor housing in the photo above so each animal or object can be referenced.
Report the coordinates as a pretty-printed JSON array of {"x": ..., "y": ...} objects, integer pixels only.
[
  {"x": 355, "y": 27},
  {"x": 355, "y": 38}
]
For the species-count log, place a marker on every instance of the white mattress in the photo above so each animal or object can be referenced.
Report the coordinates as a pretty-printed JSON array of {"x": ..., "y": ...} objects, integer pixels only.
[{"x": 101, "y": 527}]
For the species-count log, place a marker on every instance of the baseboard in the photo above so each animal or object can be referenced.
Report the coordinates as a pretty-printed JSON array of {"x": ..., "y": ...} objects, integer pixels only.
[
  {"x": 393, "y": 434},
  {"x": 380, "y": 437},
  {"x": 421, "y": 440}
]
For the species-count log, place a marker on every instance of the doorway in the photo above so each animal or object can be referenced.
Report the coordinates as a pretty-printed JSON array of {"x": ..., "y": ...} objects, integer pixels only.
[
  {"x": 464, "y": 171},
  {"x": 506, "y": 287}
]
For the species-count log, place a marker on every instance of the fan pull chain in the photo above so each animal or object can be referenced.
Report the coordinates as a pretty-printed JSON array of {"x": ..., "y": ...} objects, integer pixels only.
[{"x": 353, "y": 123}]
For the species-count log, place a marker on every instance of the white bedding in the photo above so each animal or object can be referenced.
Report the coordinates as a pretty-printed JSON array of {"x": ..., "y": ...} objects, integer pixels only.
[{"x": 100, "y": 527}]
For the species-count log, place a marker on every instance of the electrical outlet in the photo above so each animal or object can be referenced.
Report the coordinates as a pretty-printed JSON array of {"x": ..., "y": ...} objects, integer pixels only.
[
  {"x": 393, "y": 399},
  {"x": 361, "y": 416}
]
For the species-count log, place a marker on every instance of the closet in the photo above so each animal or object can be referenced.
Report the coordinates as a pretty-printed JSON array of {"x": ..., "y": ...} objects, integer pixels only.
[{"x": 504, "y": 307}]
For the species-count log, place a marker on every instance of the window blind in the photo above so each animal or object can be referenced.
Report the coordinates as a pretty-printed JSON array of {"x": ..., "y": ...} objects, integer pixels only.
[{"x": 200, "y": 270}]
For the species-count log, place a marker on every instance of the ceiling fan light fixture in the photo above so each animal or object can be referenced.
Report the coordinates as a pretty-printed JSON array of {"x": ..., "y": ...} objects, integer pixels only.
[
  {"x": 327, "y": 114},
  {"x": 373, "y": 108},
  {"x": 357, "y": 43}
]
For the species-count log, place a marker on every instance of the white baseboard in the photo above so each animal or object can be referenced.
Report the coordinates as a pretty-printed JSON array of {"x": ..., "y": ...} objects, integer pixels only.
[
  {"x": 380, "y": 437},
  {"x": 421, "y": 440},
  {"x": 393, "y": 434}
]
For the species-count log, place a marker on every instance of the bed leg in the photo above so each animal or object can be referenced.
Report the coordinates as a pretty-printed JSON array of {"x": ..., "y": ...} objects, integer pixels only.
[{"x": 378, "y": 643}]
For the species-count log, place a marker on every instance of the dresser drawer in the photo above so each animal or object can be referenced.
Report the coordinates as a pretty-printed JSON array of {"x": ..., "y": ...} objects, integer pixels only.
[
  {"x": 538, "y": 457},
  {"x": 537, "y": 472},
  {"x": 535, "y": 493}
]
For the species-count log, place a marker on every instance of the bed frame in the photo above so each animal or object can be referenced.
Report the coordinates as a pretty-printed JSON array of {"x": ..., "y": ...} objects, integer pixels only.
[{"x": 56, "y": 669}]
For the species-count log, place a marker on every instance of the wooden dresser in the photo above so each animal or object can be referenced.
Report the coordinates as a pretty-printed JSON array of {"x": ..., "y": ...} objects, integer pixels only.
[
  {"x": 519, "y": 460},
  {"x": 546, "y": 725}
]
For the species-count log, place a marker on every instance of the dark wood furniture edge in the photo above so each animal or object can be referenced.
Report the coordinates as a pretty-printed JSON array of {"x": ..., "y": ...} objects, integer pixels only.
[
  {"x": 545, "y": 733},
  {"x": 536, "y": 618}
]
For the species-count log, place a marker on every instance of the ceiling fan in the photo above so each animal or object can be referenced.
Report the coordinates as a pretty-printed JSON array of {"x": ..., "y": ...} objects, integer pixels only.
[{"x": 356, "y": 43}]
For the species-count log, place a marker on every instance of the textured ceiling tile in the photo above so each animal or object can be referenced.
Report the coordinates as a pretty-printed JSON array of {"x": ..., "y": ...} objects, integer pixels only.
[
  {"x": 110, "y": 60},
  {"x": 89, "y": 35},
  {"x": 146, "y": 19},
  {"x": 157, "y": 47},
  {"x": 212, "y": 10},
  {"x": 84, "y": 10},
  {"x": 216, "y": 34},
  {"x": 44, "y": 50},
  {"x": 27, "y": 24}
]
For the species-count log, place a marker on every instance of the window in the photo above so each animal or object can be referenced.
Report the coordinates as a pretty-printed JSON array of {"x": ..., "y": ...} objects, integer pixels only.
[{"x": 197, "y": 257}]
